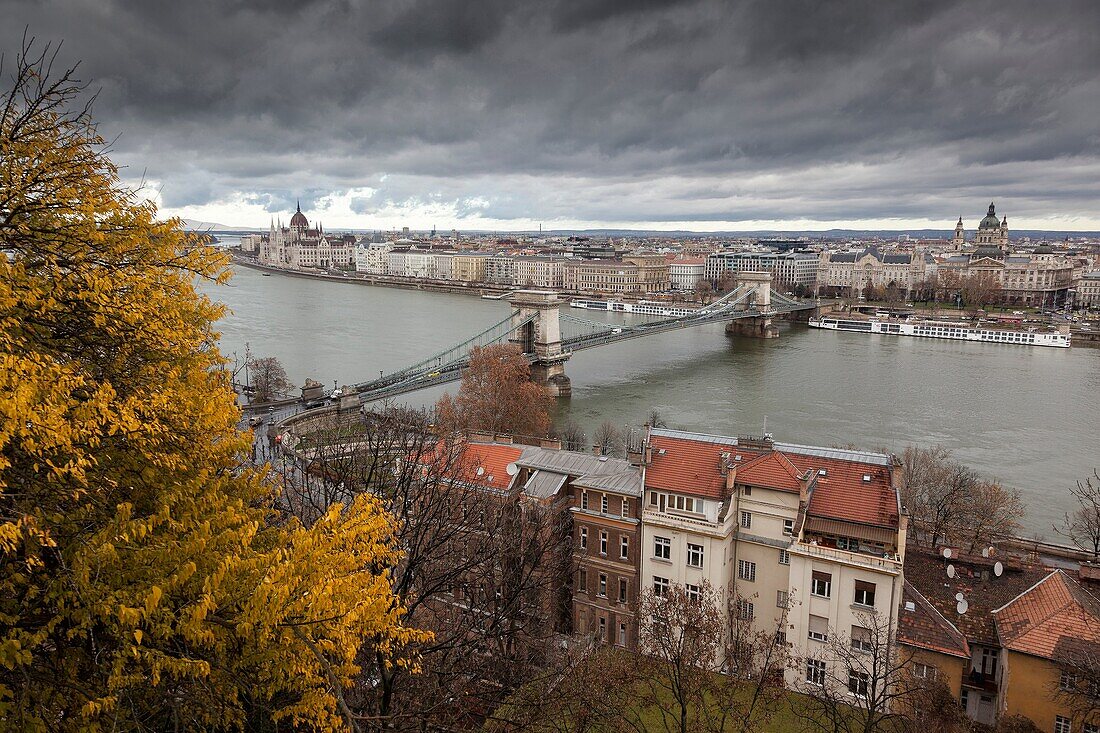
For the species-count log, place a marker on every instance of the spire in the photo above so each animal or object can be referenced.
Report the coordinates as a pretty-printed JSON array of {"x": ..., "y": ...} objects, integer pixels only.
[
  {"x": 299, "y": 203},
  {"x": 992, "y": 210}
]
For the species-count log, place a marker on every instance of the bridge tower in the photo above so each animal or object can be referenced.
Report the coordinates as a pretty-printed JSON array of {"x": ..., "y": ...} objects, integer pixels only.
[
  {"x": 542, "y": 338},
  {"x": 760, "y": 326}
]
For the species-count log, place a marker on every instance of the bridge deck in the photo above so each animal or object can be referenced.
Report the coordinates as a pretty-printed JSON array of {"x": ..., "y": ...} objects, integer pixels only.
[{"x": 448, "y": 365}]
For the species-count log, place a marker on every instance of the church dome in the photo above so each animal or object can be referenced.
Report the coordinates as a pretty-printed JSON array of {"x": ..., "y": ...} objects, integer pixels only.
[
  {"x": 299, "y": 219},
  {"x": 990, "y": 221}
]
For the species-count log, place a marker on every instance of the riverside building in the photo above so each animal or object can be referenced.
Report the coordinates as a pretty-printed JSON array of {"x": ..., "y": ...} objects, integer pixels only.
[
  {"x": 801, "y": 541},
  {"x": 299, "y": 246}
]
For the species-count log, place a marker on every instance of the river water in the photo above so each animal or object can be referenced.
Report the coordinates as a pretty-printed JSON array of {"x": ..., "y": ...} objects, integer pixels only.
[{"x": 1027, "y": 416}]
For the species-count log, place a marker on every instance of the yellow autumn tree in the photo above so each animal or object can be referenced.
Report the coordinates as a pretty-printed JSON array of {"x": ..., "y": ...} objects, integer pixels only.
[{"x": 145, "y": 579}]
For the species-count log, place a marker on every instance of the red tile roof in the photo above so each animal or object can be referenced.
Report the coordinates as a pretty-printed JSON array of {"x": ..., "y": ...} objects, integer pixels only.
[
  {"x": 481, "y": 464},
  {"x": 773, "y": 470},
  {"x": 925, "y": 627},
  {"x": 843, "y": 494},
  {"x": 927, "y": 572},
  {"x": 1052, "y": 619},
  {"x": 689, "y": 467}
]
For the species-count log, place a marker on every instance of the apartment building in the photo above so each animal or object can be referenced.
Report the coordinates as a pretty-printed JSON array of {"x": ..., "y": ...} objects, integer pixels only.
[
  {"x": 790, "y": 268},
  {"x": 500, "y": 269},
  {"x": 538, "y": 272},
  {"x": 373, "y": 258},
  {"x": 686, "y": 272},
  {"x": 975, "y": 580},
  {"x": 468, "y": 267},
  {"x": 1088, "y": 290},
  {"x": 850, "y": 273},
  {"x": 801, "y": 541}
]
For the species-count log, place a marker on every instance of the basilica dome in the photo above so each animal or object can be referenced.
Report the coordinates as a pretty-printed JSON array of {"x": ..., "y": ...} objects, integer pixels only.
[{"x": 990, "y": 221}]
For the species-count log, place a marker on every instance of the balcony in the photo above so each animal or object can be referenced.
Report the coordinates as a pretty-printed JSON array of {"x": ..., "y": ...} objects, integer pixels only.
[
  {"x": 978, "y": 681},
  {"x": 889, "y": 563},
  {"x": 681, "y": 519}
]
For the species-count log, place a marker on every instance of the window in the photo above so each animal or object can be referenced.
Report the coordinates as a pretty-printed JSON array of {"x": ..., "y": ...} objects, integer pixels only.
[
  {"x": 821, "y": 584},
  {"x": 660, "y": 586},
  {"x": 622, "y": 590},
  {"x": 624, "y": 547},
  {"x": 684, "y": 504},
  {"x": 1062, "y": 725},
  {"x": 865, "y": 593},
  {"x": 861, "y": 639},
  {"x": 989, "y": 662},
  {"x": 815, "y": 671},
  {"x": 584, "y": 538},
  {"x": 693, "y": 592},
  {"x": 603, "y": 628},
  {"x": 1092, "y": 728},
  {"x": 584, "y": 499},
  {"x": 924, "y": 671},
  {"x": 653, "y": 498},
  {"x": 626, "y": 507},
  {"x": 603, "y": 503},
  {"x": 819, "y": 628},
  {"x": 784, "y": 557},
  {"x": 781, "y": 598},
  {"x": 662, "y": 548},
  {"x": 748, "y": 491},
  {"x": 603, "y": 585},
  {"x": 603, "y": 543},
  {"x": 746, "y": 570},
  {"x": 788, "y": 527},
  {"x": 857, "y": 683},
  {"x": 1067, "y": 682},
  {"x": 848, "y": 543},
  {"x": 582, "y": 580},
  {"x": 746, "y": 519},
  {"x": 622, "y": 634},
  {"x": 745, "y": 610},
  {"x": 695, "y": 555}
]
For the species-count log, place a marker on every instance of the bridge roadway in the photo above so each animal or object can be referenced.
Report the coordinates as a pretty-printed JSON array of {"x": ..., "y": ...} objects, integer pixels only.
[{"x": 435, "y": 371}]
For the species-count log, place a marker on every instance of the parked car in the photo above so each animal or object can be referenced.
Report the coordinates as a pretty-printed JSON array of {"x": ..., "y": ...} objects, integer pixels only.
[{"x": 315, "y": 404}]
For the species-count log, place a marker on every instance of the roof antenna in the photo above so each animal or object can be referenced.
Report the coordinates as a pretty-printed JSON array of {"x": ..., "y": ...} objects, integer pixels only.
[{"x": 767, "y": 435}]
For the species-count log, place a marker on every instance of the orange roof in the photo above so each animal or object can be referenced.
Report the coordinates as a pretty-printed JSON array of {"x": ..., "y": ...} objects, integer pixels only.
[
  {"x": 688, "y": 466},
  {"x": 1055, "y": 619},
  {"x": 481, "y": 464},
  {"x": 773, "y": 470},
  {"x": 923, "y": 626},
  {"x": 843, "y": 494}
]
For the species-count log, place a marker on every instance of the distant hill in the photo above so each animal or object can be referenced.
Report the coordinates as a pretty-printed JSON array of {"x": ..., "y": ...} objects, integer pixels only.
[{"x": 208, "y": 226}]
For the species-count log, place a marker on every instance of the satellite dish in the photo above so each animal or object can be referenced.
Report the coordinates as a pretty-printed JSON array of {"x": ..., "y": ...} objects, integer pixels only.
[
  {"x": 947, "y": 552},
  {"x": 962, "y": 607},
  {"x": 480, "y": 471},
  {"x": 512, "y": 469},
  {"x": 958, "y": 596},
  {"x": 998, "y": 568},
  {"x": 985, "y": 552},
  {"x": 951, "y": 571}
]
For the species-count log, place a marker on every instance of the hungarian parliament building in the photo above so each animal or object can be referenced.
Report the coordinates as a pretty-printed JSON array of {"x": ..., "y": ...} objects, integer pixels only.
[{"x": 298, "y": 246}]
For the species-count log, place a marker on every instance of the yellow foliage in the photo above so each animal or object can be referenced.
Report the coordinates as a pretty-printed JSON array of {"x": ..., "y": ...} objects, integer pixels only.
[{"x": 142, "y": 578}]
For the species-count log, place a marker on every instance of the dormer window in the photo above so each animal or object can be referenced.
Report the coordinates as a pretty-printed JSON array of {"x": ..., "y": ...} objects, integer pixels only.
[
  {"x": 867, "y": 478},
  {"x": 822, "y": 472}
]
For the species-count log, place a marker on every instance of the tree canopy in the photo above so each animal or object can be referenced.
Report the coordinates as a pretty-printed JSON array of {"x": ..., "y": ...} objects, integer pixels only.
[
  {"x": 145, "y": 580},
  {"x": 498, "y": 396}
]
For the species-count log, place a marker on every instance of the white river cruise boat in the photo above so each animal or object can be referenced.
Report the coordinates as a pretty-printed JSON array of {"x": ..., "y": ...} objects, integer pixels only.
[
  {"x": 641, "y": 307},
  {"x": 945, "y": 330}
]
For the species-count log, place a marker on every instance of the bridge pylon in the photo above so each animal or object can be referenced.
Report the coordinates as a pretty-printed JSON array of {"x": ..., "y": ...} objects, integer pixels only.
[
  {"x": 760, "y": 326},
  {"x": 541, "y": 337}
]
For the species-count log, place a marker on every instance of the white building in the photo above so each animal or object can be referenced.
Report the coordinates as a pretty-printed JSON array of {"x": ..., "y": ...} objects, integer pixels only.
[
  {"x": 787, "y": 268},
  {"x": 805, "y": 542},
  {"x": 686, "y": 273},
  {"x": 373, "y": 258}
]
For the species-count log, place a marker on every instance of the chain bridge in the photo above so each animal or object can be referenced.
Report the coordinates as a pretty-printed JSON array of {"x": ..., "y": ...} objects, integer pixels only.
[{"x": 548, "y": 336}]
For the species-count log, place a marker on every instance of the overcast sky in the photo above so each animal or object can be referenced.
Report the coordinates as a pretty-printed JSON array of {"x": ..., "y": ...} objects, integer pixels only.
[{"x": 500, "y": 114}]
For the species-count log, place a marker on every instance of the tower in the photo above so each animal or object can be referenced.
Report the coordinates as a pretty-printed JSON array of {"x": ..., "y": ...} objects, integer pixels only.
[{"x": 960, "y": 237}]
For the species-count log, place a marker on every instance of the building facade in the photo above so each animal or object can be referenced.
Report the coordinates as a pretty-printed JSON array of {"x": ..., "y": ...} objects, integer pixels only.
[
  {"x": 299, "y": 246},
  {"x": 799, "y": 541},
  {"x": 538, "y": 272},
  {"x": 1088, "y": 291},
  {"x": 789, "y": 268},
  {"x": 684, "y": 274}
]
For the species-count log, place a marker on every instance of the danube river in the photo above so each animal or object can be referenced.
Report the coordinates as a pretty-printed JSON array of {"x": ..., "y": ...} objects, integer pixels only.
[{"x": 1027, "y": 416}]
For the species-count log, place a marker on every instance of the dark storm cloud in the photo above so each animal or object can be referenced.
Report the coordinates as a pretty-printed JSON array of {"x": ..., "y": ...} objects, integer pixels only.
[{"x": 700, "y": 110}]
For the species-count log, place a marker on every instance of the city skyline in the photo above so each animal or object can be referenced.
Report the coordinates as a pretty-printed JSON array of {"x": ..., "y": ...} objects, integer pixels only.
[{"x": 654, "y": 116}]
